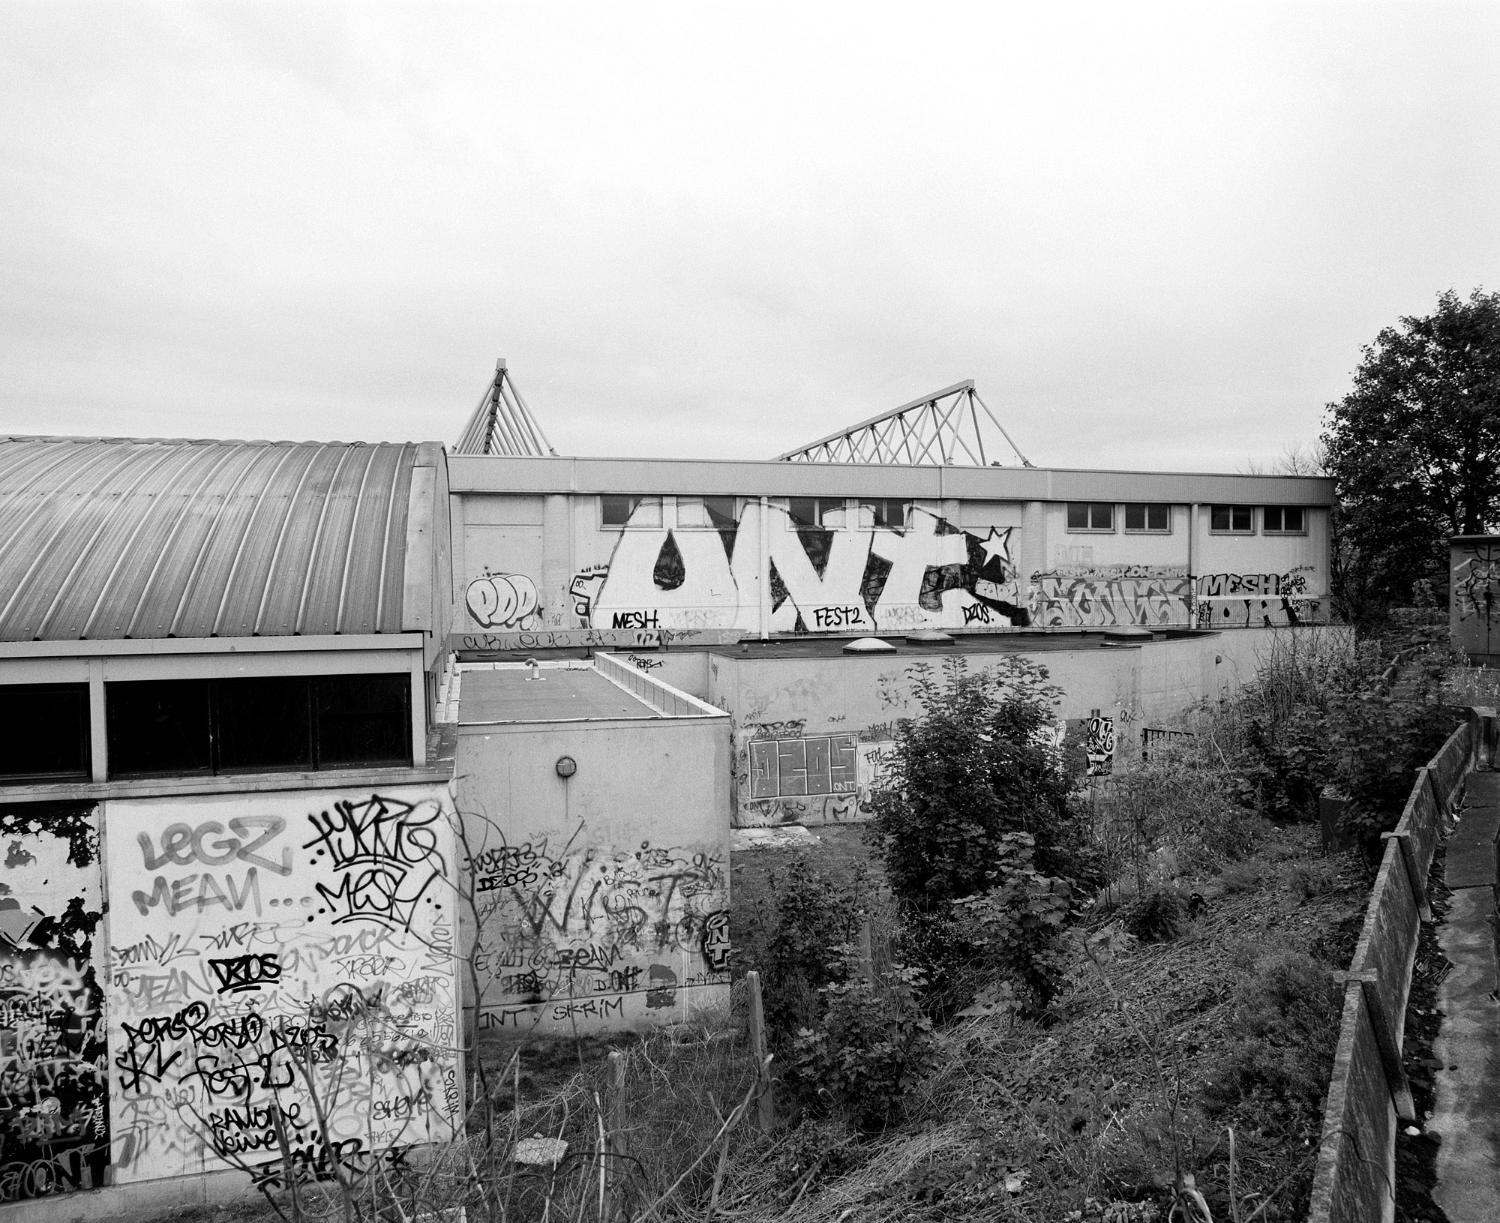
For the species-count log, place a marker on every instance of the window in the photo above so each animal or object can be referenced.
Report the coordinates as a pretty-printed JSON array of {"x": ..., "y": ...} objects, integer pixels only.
[
  {"x": 710, "y": 513},
  {"x": 1150, "y": 516},
  {"x": 1235, "y": 519},
  {"x": 257, "y": 725},
  {"x": 889, "y": 511},
  {"x": 625, "y": 509},
  {"x": 815, "y": 511},
  {"x": 362, "y": 719},
  {"x": 1091, "y": 516},
  {"x": 158, "y": 726},
  {"x": 47, "y": 734},
  {"x": 1284, "y": 520}
]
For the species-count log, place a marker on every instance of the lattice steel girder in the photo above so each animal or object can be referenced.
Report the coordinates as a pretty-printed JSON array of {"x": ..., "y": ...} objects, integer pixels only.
[
  {"x": 502, "y": 423},
  {"x": 945, "y": 429}
]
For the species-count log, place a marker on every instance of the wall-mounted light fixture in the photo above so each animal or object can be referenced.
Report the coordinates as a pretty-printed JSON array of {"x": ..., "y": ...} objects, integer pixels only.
[{"x": 566, "y": 767}]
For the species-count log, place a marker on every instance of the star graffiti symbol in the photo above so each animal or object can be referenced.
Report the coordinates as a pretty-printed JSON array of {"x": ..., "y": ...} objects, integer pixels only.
[{"x": 996, "y": 544}]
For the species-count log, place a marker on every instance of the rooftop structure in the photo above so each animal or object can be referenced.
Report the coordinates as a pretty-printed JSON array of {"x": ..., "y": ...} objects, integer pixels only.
[{"x": 115, "y": 539}]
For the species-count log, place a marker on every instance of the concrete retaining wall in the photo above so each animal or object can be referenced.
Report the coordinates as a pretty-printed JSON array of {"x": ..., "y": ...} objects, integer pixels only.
[{"x": 1368, "y": 1096}]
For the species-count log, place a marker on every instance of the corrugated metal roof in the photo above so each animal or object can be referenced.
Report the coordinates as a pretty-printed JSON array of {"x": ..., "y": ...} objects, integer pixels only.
[{"x": 105, "y": 539}]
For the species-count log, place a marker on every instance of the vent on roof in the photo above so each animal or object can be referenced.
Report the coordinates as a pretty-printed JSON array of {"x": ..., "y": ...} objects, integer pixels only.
[{"x": 869, "y": 645}]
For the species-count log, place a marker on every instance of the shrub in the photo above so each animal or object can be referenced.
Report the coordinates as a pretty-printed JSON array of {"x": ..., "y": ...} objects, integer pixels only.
[
  {"x": 816, "y": 912},
  {"x": 981, "y": 762},
  {"x": 1155, "y": 916},
  {"x": 871, "y": 1046},
  {"x": 1016, "y": 927}
]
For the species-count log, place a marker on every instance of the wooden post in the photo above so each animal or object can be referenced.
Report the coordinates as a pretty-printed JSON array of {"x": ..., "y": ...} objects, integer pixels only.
[
  {"x": 866, "y": 957},
  {"x": 614, "y": 1137},
  {"x": 765, "y": 1105}
]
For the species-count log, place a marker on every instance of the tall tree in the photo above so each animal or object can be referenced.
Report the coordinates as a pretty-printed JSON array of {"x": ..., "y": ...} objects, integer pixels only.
[{"x": 1415, "y": 447}]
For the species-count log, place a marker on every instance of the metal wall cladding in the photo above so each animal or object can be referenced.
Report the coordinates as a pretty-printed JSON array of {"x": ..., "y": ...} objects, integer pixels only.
[{"x": 104, "y": 539}]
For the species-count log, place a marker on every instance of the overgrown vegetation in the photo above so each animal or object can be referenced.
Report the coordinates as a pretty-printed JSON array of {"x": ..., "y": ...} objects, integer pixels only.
[{"x": 1031, "y": 996}]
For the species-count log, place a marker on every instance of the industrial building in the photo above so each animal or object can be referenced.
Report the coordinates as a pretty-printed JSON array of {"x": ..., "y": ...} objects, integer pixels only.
[{"x": 297, "y": 728}]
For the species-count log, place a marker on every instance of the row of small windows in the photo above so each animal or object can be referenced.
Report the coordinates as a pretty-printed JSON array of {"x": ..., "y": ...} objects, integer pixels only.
[
  {"x": 1155, "y": 517},
  {"x": 618, "y": 510},
  {"x": 717, "y": 513},
  {"x": 208, "y": 726}
]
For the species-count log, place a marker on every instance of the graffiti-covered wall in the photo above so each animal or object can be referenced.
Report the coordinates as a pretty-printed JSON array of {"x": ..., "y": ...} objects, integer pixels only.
[
  {"x": 287, "y": 950},
  {"x": 665, "y": 576},
  {"x": 1474, "y": 595},
  {"x": 603, "y": 896},
  {"x": 288, "y": 953},
  {"x": 54, "y": 1111}
]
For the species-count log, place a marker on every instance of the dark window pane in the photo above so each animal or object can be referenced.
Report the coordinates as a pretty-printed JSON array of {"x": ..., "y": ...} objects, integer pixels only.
[
  {"x": 1292, "y": 519},
  {"x": 157, "y": 726},
  {"x": 720, "y": 511},
  {"x": 263, "y": 723},
  {"x": 803, "y": 511},
  {"x": 1135, "y": 517},
  {"x": 615, "y": 509},
  {"x": 47, "y": 730},
  {"x": 1230, "y": 518},
  {"x": 1102, "y": 516},
  {"x": 1156, "y": 518},
  {"x": 363, "y": 719},
  {"x": 889, "y": 512},
  {"x": 1078, "y": 516}
]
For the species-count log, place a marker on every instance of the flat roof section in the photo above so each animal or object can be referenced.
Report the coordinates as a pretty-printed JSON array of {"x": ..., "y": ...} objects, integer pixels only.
[{"x": 556, "y": 694}]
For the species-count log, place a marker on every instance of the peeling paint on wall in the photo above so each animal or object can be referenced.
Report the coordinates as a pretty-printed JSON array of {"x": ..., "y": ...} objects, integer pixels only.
[{"x": 54, "y": 1113}]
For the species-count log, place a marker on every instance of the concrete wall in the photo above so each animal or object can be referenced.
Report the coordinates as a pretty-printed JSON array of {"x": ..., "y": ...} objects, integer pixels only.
[
  {"x": 252, "y": 941},
  {"x": 603, "y": 898},
  {"x": 808, "y": 732},
  {"x": 544, "y": 565}
]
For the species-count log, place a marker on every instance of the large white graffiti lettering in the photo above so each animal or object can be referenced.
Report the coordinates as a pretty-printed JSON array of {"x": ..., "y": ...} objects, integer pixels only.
[{"x": 854, "y": 578}]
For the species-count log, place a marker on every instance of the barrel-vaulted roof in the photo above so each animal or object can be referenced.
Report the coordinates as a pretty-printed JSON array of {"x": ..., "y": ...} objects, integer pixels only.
[{"x": 107, "y": 539}]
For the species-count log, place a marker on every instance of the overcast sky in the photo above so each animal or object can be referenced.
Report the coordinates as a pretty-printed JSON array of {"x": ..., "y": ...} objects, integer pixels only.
[{"x": 1156, "y": 236}]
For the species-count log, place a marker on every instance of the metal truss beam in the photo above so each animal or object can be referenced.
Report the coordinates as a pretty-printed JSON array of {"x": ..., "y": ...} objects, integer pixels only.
[
  {"x": 502, "y": 423},
  {"x": 949, "y": 428}
]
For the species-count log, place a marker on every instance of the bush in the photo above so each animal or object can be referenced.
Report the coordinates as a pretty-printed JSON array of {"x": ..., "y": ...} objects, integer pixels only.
[
  {"x": 980, "y": 763},
  {"x": 1016, "y": 927},
  {"x": 816, "y": 912},
  {"x": 870, "y": 1048}
]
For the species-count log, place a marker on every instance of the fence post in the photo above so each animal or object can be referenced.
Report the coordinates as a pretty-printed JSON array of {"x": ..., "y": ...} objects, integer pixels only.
[
  {"x": 866, "y": 955},
  {"x": 765, "y": 1104},
  {"x": 614, "y": 1136}
]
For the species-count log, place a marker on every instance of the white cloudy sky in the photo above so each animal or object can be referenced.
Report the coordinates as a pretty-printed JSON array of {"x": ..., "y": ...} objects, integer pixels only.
[{"x": 1155, "y": 235}]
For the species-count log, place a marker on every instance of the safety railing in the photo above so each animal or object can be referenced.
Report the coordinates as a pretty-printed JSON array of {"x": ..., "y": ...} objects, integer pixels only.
[{"x": 661, "y": 696}]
